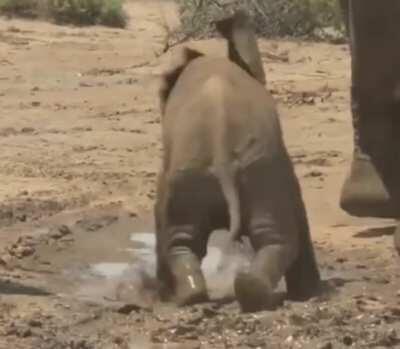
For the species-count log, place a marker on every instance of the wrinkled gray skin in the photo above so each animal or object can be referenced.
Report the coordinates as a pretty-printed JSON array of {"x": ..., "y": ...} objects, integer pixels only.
[
  {"x": 225, "y": 166},
  {"x": 372, "y": 187}
]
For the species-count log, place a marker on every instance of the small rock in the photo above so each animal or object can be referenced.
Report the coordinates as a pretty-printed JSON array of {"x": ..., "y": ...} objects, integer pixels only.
[
  {"x": 182, "y": 330},
  {"x": 64, "y": 229},
  {"x": 96, "y": 223},
  {"x": 289, "y": 339},
  {"x": 21, "y": 217},
  {"x": 27, "y": 130},
  {"x": 341, "y": 260},
  {"x": 118, "y": 340},
  {"x": 314, "y": 174},
  {"x": 24, "y": 251},
  {"x": 297, "y": 320},
  {"x": 5, "y": 260},
  {"x": 35, "y": 323},
  {"x": 126, "y": 309},
  {"x": 347, "y": 340},
  {"x": 85, "y": 84},
  {"x": 59, "y": 232},
  {"x": 13, "y": 29},
  {"x": 36, "y": 104},
  {"x": 326, "y": 346},
  {"x": 208, "y": 312}
]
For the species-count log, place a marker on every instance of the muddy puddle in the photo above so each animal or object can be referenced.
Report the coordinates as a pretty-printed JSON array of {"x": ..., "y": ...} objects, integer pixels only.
[
  {"x": 102, "y": 269},
  {"x": 112, "y": 259},
  {"x": 130, "y": 277}
]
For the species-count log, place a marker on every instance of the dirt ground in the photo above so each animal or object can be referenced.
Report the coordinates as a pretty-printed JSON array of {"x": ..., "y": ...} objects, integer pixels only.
[{"x": 80, "y": 140}]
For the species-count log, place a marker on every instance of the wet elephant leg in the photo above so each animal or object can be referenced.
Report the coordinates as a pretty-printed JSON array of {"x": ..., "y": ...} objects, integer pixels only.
[
  {"x": 181, "y": 242},
  {"x": 182, "y": 265},
  {"x": 372, "y": 187},
  {"x": 272, "y": 232}
]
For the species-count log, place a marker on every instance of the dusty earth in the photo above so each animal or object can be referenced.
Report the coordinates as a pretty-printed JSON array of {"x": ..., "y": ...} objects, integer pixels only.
[{"x": 80, "y": 140}]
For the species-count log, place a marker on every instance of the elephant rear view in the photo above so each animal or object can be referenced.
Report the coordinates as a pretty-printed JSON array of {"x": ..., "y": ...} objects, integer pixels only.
[{"x": 225, "y": 166}]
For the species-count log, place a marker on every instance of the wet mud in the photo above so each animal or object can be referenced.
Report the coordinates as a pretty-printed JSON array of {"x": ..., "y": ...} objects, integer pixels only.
[{"x": 96, "y": 278}]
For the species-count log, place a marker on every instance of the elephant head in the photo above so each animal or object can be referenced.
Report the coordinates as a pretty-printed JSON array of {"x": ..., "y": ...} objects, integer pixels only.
[
  {"x": 242, "y": 44},
  {"x": 243, "y": 51}
]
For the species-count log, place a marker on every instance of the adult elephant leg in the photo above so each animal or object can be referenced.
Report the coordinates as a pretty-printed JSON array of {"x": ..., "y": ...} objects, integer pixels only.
[
  {"x": 272, "y": 231},
  {"x": 181, "y": 243},
  {"x": 372, "y": 187}
]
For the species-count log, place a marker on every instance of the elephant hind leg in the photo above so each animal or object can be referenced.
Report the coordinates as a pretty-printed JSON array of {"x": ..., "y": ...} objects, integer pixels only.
[
  {"x": 272, "y": 231},
  {"x": 179, "y": 266},
  {"x": 254, "y": 288},
  {"x": 182, "y": 239}
]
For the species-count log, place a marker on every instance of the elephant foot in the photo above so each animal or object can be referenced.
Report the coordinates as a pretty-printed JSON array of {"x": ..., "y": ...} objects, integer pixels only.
[
  {"x": 188, "y": 279},
  {"x": 397, "y": 239},
  {"x": 364, "y": 193},
  {"x": 254, "y": 287},
  {"x": 253, "y": 293}
]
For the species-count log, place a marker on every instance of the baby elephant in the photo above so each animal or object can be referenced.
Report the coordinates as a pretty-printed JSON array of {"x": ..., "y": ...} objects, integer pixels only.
[{"x": 225, "y": 165}]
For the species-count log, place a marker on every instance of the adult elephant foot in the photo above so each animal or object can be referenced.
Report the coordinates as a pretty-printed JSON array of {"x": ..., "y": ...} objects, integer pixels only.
[
  {"x": 364, "y": 193},
  {"x": 189, "y": 285}
]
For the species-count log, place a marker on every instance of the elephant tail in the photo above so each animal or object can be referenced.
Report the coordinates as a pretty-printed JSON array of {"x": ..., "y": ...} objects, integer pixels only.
[{"x": 230, "y": 191}]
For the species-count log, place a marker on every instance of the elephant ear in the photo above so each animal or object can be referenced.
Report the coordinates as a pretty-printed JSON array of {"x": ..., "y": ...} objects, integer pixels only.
[
  {"x": 170, "y": 78},
  {"x": 242, "y": 43}
]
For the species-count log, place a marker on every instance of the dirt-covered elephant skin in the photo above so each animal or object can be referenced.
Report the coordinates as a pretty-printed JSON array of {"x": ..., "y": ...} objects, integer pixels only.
[{"x": 225, "y": 166}]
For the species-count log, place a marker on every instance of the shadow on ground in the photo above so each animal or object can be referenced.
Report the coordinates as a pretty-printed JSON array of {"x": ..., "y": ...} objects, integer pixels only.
[{"x": 376, "y": 232}]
